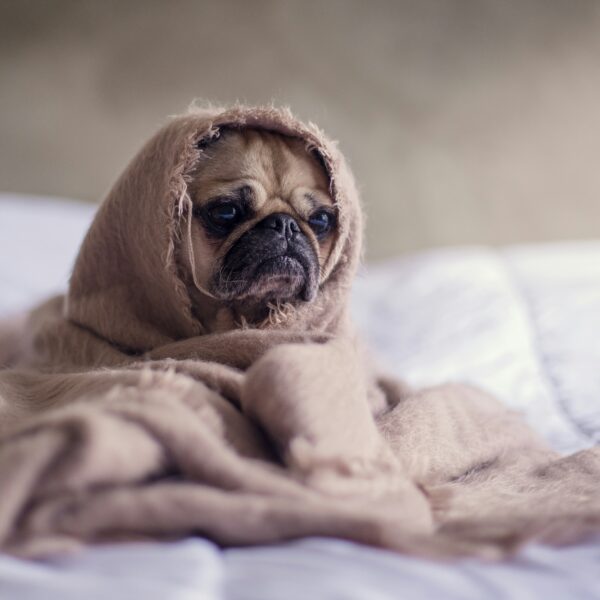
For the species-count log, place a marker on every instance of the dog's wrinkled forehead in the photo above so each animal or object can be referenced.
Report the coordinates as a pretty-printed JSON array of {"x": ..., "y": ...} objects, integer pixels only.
[{"x": 276, "y": 169}]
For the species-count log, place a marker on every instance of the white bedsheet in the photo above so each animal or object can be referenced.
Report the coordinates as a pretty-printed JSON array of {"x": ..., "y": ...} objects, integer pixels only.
[{"x": 523, "y": 323}]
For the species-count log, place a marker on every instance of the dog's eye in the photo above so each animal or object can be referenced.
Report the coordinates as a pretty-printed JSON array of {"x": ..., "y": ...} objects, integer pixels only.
[
  {"x": 224, "y": 215},
  {"x": 321, "y": 222}
]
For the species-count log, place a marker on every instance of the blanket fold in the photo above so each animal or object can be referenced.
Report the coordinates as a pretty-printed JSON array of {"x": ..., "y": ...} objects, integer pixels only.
[{"x": 122, "y": 418}]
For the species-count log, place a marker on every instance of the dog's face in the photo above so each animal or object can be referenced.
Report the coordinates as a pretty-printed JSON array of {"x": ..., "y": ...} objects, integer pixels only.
[{"x": 264, "y": 222}]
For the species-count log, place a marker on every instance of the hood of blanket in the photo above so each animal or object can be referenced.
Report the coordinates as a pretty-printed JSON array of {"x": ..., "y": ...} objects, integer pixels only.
[{"x": 126, "y": 286}]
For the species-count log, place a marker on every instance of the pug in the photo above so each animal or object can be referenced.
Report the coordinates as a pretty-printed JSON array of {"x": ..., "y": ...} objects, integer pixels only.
[{"x": 263, "y": 225}]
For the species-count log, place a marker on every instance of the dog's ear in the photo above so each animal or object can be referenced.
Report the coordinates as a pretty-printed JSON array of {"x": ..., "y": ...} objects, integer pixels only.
[{"x": 206, "y": 140}]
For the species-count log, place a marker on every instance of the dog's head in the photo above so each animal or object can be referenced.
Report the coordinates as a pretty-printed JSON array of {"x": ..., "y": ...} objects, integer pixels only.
[{"x": 263, "y": 222}]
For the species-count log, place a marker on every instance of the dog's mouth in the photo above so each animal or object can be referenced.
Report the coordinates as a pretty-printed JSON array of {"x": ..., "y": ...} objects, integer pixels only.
[
  {"x": 282, "y": 278},
  {"x": 284, "y": 266}
]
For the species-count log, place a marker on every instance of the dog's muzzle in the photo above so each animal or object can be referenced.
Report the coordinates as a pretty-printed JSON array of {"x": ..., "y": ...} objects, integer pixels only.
[{"x": 274, "y": 260}]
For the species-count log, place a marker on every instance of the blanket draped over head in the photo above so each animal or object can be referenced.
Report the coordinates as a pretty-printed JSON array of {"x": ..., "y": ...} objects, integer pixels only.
[{"x": 121, "y": 418}]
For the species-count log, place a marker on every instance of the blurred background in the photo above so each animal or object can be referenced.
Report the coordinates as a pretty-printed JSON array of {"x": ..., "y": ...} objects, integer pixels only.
[{"x": 466, "y": 121}]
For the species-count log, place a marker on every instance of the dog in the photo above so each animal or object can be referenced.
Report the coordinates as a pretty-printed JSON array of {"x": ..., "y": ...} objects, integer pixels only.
[{"x": 263, "y": 225}]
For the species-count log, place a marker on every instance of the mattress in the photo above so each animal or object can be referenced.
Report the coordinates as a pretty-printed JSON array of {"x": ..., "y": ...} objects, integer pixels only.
[{"x": 522, "y": 322}]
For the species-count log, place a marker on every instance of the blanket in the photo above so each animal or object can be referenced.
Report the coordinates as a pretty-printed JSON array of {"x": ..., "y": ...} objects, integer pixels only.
[{"x": 122, "y": 418}]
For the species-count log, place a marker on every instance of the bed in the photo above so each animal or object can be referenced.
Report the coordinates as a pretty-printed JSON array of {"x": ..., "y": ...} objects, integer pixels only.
[{"x": 522, "y": 322}]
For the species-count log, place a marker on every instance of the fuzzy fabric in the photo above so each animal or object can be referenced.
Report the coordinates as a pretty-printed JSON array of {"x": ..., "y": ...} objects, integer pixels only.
[{"x": 120, "y": 418}]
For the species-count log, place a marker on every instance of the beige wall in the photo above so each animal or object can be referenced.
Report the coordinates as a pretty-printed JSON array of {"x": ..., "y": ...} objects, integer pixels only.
[{"x": 465, "y": 121}]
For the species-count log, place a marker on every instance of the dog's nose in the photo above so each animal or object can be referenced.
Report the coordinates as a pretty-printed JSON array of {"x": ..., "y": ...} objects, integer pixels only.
[{"x": 283, "y": 223}]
